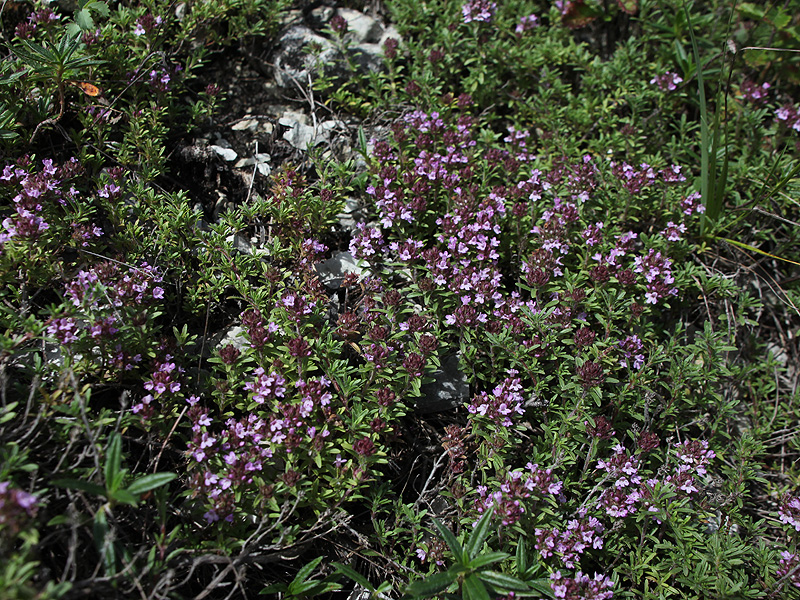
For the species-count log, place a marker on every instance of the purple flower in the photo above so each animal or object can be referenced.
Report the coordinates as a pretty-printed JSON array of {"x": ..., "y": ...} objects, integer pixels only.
[
  {"x": 789, "y": 512},
  {"x": 789, "y": 115},
  {"x": 692, "y": 204},
  {"x": 527, "y": 23},
  {"x": 667, "y": 82},
  {"x": 266, "y": 387},
  {"x": 478, "y": 10},
  {"x": 63, "y": 329},
  {"x": 581, "y": 587}
]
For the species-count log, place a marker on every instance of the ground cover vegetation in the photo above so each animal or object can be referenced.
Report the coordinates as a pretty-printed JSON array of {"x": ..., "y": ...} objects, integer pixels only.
[{"x": 590, "y": 206}]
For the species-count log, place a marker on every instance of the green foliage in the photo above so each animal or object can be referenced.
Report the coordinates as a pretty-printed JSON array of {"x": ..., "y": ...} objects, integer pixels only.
[
  {"x": 210, "y": 345},
  {"x": 469, "y": 573}
]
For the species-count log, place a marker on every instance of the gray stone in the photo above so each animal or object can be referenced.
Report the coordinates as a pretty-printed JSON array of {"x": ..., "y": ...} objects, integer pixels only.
[
  {"x": 333, "y": 271},
  {"x": 303, "y": 137},
  {"x": 245, "y": 124},
  {"x": 303, "y": 54},
  {"x": 361, "y": 28},
  {"x": 234, "y": 336},
  {"x": 289, "y": 118},
  {"x": 319, "y": 16},
  {"x": 449, "y": 390}
]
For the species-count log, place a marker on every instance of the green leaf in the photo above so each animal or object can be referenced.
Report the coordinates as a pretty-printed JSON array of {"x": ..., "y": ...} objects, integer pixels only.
[
  {"x": 522, "y": 559},
  {"x": 78, "y": 484},
  {"x": 432, "y": 584},
  {"x": 103, "y": 542},
  {"x": 303, "y": 573},
  {"x": 83, "y": 18},
  {"x": 354, "y": 575},
  {"x": 503, "y": 582},
  {"x": 101, "y": 8},
  {"x": 150, "y": 482},
  {"x": 296, "y": 588},
  {"x": 362, "y": 142},
  {"x": 542, "y": 586},
  {"x": 113, "y": 462},
  {"x": 474, "y": 589},
  {"x": 479, "y": 534},
  {"x": 452, "y": 542},
  {"x": 124, "y": 497},
  {"x": 487, "y": 559},
  {"x": 273, "y": 588}
]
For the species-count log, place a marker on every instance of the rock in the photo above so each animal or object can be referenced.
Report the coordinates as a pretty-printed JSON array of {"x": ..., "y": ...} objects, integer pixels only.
[
  {"x": 351, "y": 215},
  {"x": 300, "y": 53},
  {"x": 223, "y": 148},
  {"x": 450, "y": 389},
  {"x": 390, "y": 32},
  {"x": 234, "y": 336},
  {"x": 303, "y": 137},
  {"x": 361, "y": 28},
  {"x": 245, "y": 124},
  {"x": 332, "y": 271},
  {"x": 304, "y": 54},
  {"x": 319, "y": 16},
  {"x": 291, "y": 117},
  {"x": 240, "y": 243}
]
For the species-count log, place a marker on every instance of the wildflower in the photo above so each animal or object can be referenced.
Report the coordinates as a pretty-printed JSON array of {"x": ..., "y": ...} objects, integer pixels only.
[
  {"x": 581, "y": 587},
  {"x": 752, "y": 92},
  {"x": 478, "y": 10},
  {"x": 789, "y": 568},
  {"x": 590, "y": 374},
  {"x": 673, "y": 232},
  {"x": 789, "y": 512},
  {"x": 668, "y": 82},
  {"x": 338, "y": 25},
  {"x": 364, "y": 447},
  {"x": 527, "y": 23}
]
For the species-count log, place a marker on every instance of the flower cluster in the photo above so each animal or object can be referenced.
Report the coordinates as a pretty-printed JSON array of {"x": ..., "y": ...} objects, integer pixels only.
[
  {"x": 627, "y": 490},
  {"x": 692, "y": 204},
  {"x": 508, "y": 499},
  {"x": 752, "y": 92},
  {"x": 789, "y": 512},
  {"x": 657, "y": 270},
  {"x": 789, "y": 115},
  {"x": 106, "y": 282},
  {"x": 146, "y": 23},
  {"x": 619, "y": 500},
  {"x": 789, "y": 569},
  {"x": 478, "y": 10},
  {"x": 527, "y": 23},
  {"x": 667, "y": 82},
  {"x": 693, "y": 456},
  {"x": 632, "y": 352},
  {"x": 366, "y": 242},
  {"x": 569, "y": 544},
  {"x": 43, "y": 16},
  {"x": 581, "y": 587},
  {"x": 266, "y": 387},
  {"x": 163, "y": 382},
  {"x": 34, "y": 192},
  {"x": 15, "y": 506},
  {"x": 505, "y": 400}
]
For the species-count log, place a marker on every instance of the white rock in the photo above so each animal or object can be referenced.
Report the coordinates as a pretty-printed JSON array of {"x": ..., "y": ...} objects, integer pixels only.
[
  {"x": 333, "y": 271},
  {"x": 361, "y": 28},
  {"x": 245, "y": 125},
  {"x": 226, "y": 153}
]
